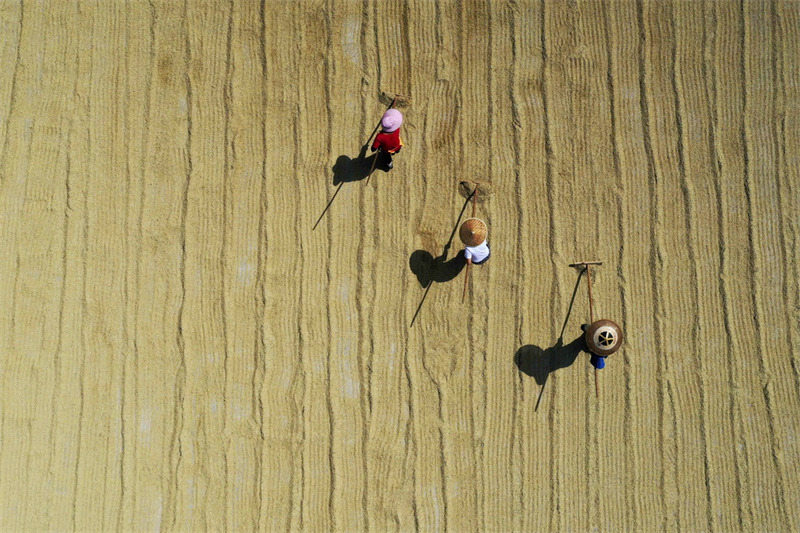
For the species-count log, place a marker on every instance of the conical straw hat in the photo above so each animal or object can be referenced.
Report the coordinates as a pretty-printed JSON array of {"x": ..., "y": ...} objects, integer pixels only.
[{"x": 473, "y": 231}]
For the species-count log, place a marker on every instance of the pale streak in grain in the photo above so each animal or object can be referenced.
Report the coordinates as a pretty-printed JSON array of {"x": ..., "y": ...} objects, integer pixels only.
[
  {"x": 711, "y": 94},
  {"x": 329, "y": 140},
  {"x": 789, "y": 476},
  {"x": 655, "y": 259},
  {"x": 139, "y": 222},
  {"x": 754, "y": 271},
  {"x": 176, "y": 446},
  {"x": 84, "y": 313},
  {"x": 549, "y": 184},
  {"x": 126, "y": 293},
  {"x": 57, "y": 363},
  {"x": 301, "y": 297},
  {"x": 364, "y": 398},
  {"x": 13, "y": 92},
  {"x": 622, "y": 225},
  {"x": 519, "y": 391},
  {"x": 259, "y": 350},
  {"x": 788, "y": 183},
  {"x": 229, "y": 155},
  {"x": 688, "y": 212}
]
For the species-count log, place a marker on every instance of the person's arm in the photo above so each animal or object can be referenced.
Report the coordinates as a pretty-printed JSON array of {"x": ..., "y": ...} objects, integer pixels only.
[{"x": 377, "y": 142}]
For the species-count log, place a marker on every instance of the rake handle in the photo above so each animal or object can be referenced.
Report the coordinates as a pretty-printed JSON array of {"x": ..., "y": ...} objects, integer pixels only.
[
  {"x": 596, "y": 386},
  {"x": 474, "y": 200},
  {"x": 374, "y": 160},
  {"x": 586, "y": 265},
  {"x": 591, "y": 320},
  {"x": 469, "y": 261},
  {"x": 589, "y": 279},
  {"x": 466, "y": 280}
]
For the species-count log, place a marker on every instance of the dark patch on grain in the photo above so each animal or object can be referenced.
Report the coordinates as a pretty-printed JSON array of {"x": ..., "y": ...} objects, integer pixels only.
[
  {"x": 485, "y": 189},
  {"x": 165, "y": 70}
]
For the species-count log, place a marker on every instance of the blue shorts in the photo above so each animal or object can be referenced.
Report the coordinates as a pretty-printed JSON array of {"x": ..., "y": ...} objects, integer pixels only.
[{"x": 598, "y": 362}]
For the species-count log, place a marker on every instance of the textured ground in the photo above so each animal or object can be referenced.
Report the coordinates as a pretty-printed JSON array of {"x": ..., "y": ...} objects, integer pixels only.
[{"x": 179, "y": 349}]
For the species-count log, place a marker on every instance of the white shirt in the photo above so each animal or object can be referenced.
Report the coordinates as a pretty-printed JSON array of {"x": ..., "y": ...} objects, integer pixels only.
[{"x": 477, "y": 253}]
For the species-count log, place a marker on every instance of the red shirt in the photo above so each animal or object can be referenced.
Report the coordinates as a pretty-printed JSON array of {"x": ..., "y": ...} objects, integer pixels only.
[{"x": 389, "y": 142}]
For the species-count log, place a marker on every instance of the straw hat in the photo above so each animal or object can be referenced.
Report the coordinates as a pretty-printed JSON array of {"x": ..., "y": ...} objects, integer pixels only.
[
  {"x": 603, "y": 337},
  {"x": 473, "y": 232}
]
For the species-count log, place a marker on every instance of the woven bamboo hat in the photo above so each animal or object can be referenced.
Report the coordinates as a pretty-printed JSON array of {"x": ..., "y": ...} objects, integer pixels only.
[
  {"x": 473, "y": 231},
  {"x": 603, "y": 337}
]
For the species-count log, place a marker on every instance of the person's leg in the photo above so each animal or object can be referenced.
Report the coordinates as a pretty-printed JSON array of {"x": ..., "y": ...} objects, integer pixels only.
[{"x": 387, "y": 158}]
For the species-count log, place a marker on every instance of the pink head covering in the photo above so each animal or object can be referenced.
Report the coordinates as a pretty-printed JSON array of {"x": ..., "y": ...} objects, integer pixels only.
[{"x": 391, "y": 120}]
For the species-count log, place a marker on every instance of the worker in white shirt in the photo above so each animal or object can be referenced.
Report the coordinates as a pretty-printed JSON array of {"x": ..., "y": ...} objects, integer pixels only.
[{"x": 473, "y": 234}]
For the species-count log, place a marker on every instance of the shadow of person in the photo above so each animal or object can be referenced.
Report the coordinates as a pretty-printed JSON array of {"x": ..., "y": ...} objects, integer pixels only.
[
  {"x": 539, "y": 363},
  {"x": 428, "y": 268},
  {"x": 348, "y": 169},
  {"x": 421, "y": 264}
]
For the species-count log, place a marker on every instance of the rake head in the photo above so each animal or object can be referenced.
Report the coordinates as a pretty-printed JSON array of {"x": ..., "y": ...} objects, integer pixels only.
[
  {"x": 400, "y": 100},
  {"x": 585, "y": 263}
]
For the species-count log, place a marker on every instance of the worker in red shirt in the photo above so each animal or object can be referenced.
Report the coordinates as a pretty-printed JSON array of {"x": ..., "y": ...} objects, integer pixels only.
[{"x": 388, "y": 141}]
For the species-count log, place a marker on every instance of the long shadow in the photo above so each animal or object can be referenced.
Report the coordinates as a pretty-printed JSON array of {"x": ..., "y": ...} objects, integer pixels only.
[
  {"x": 540, "y": 363},
  {"x": 348, "y": 169},
  {"x": 428, "y": 269}
]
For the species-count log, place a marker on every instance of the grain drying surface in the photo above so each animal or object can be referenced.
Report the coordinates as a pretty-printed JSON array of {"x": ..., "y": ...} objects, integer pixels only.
[{"x": 179, "y": 349}]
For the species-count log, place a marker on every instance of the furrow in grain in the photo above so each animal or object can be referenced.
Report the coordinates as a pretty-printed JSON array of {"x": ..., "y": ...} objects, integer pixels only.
[
  {"x": 765, "y": 231},
  {"x": 686, "y": 81},
  {"x": 12, "y": 90}
]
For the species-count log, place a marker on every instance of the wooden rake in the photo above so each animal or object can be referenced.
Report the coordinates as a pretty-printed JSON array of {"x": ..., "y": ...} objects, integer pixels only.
[
  {"x": 586, "y": 266},
  {"x": 469, "y": 263},
  {"x": 374, "y": 160}
]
